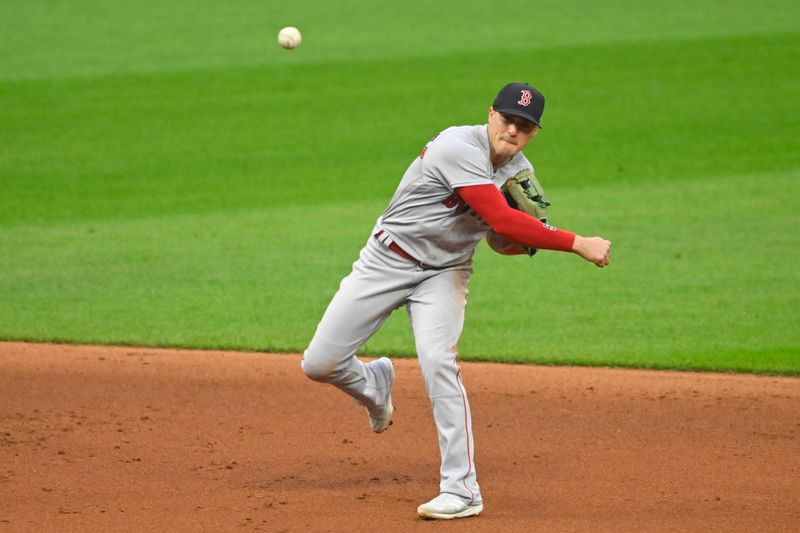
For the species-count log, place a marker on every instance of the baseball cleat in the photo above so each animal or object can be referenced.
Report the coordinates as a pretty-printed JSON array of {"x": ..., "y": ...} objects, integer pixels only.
[
  {"x": 381, "y": 416},
  {"x": 447, "y": 506}
]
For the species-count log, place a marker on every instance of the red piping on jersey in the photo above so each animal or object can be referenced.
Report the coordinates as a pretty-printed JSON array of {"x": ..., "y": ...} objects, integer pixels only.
[
  {"x": 466, "y": 430},
  {"x": 488, "y": 202}
]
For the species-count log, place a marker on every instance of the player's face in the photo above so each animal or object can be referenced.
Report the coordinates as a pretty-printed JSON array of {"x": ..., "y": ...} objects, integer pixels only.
[{"x": 509, "y": 134}]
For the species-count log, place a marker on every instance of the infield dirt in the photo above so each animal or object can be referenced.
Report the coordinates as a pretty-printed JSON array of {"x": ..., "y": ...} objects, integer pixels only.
[{"x": 135, "y": 439}]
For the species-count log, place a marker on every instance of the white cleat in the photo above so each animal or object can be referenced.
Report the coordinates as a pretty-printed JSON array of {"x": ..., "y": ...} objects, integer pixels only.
[
  {"x": 447, "y": 506},
  {"x": 381, "y": 417}
]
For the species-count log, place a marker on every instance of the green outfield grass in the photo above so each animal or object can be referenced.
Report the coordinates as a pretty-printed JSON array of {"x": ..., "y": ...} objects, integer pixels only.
[{"x": 171, "y": 177}]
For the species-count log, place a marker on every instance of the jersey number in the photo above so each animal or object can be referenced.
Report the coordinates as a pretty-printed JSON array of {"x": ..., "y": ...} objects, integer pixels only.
[{"x": 455, "y": 201}]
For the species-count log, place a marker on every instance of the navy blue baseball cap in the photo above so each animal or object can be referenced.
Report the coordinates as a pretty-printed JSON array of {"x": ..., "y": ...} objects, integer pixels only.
[{"x": 520, "y": 100}]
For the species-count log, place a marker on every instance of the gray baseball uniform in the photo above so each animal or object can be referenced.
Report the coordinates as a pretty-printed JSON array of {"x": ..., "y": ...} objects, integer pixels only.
[{"x": 437, "y": 234}]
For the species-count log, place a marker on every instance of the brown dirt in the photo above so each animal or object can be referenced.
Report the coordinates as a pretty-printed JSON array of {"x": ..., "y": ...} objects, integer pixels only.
[{"x": 133, "y": 439}]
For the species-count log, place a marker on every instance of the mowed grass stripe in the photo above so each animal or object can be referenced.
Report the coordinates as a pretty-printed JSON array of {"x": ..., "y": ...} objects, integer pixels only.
[
  {"x": 87, "y": 38},
  {"x": 700, "y": 284},
  {"x": 243, "y": 138}
]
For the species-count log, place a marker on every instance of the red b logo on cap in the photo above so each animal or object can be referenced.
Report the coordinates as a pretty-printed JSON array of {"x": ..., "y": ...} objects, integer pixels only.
[{"x": 526, "y": 98}]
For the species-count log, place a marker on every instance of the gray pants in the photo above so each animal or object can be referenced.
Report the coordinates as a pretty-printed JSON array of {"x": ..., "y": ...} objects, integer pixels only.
[{"x": 380, "y": 282}]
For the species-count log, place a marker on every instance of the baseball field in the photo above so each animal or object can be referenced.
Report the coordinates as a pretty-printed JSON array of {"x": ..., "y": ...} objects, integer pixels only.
[{"x": 172, "y": 178}]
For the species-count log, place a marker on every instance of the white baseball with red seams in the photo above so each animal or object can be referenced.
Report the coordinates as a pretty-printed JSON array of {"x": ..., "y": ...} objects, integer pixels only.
[
  {"x": 429, "y": 222},
  {"x": 290, "y": 37}
]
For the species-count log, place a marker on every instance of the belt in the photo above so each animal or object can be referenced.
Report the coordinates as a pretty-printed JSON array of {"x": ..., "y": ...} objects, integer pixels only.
[{"x": 393, "y": 246}]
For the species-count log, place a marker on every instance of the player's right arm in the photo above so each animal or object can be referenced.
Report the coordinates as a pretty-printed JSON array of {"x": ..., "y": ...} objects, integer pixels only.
[{"x": 487, "y": 201}]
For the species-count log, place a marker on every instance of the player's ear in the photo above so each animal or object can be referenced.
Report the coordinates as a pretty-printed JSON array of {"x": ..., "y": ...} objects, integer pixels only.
[{"x": 491, "y": 112}]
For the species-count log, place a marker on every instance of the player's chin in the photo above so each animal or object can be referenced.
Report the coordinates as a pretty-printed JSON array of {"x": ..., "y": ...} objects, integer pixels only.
[{"x": 510, "y": 150}]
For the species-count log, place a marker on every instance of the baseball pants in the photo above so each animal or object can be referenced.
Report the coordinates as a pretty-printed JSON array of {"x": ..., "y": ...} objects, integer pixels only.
[{"x": 380, "y": 282}]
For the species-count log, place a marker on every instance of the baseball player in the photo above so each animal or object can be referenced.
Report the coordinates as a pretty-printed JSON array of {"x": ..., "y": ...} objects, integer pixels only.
[{"x": 419, "y": 254}]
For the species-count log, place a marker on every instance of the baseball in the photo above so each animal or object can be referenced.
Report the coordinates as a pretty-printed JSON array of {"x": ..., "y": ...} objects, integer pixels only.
[{"x": 289, "y": 37}]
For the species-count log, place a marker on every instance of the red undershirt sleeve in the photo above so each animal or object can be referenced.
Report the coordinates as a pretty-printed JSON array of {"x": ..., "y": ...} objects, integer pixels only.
[{"x": 488, "y": 202}]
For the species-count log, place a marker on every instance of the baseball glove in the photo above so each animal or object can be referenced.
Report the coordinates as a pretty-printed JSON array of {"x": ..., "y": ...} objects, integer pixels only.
[{"x": 524, "y": 192}]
